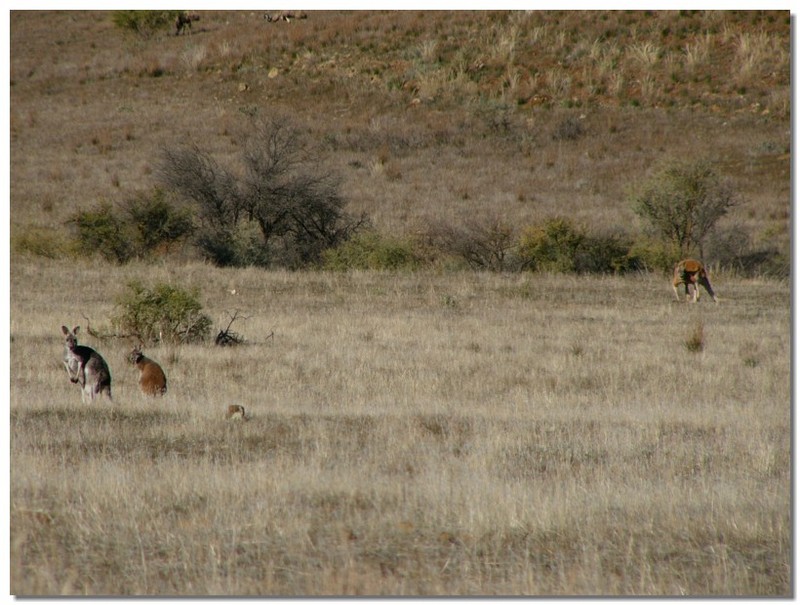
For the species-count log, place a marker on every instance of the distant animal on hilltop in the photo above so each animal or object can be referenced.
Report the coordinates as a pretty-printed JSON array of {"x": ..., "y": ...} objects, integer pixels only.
[
  {"x": 184, "y": 20},
  {"x": 691, "y": 273},
  {"x": 85, "y": 366},
  {"x": 152, "y": 379},
  {"x": 286, "y": 16}
]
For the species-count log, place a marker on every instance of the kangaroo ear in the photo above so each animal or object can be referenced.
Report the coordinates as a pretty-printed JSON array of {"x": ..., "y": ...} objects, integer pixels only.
[
  {"x": 65, "y": 330},
  {"x": 76, "y": 329}
]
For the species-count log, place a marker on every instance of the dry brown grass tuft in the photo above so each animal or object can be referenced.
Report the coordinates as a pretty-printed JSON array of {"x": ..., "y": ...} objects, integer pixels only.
[{"x": 695, "y": 343}]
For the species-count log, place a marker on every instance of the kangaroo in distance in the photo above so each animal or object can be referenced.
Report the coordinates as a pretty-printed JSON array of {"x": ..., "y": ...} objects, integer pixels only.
[
  {"x": 287, "y": 16},
  {"x": 184, "y": 20},
  {"x": 85, "y": 366},
  {"x": 152, "y": 379},
  {"x": 690, "y": 272}
]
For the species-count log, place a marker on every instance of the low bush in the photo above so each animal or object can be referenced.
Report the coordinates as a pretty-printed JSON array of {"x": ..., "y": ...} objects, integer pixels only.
[
  {"x": 483, "y": 243},
  {"x": 143, "y": 22},
  {"x": 279, "y": 206},
  {"x": 158, "y": 224},
  {"x": 607, "y": 253},
  {"x": 569, "y": 129},
  {"x": 102, "y": 231},
  {"x": 654, "y": 255},
  {"x": 552, "y": 246},
  {"x": 163, "y": 313},
  {"x": 371, "y": 251},
  {"x": 146, "y": 224}
]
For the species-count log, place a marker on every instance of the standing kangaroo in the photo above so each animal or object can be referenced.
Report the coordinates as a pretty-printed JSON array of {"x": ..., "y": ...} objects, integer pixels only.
[
  {"x": 152, "y": 379},
  {"x": 85, "y": 366}
]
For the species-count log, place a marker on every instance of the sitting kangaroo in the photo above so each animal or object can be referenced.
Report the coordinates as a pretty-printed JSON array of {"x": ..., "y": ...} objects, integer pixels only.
[
  {"x": 152, "y": 379},
  {"x": 85, "y": 366}
]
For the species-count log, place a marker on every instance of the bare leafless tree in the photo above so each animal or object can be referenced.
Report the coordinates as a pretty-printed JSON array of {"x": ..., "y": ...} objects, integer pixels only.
[
  {"x": 282, "y": 188},
  {"x": 484, "y": 243}
]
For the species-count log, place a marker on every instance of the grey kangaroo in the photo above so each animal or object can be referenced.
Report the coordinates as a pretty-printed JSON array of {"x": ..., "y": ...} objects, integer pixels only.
[{"x": 85, "y": 366}]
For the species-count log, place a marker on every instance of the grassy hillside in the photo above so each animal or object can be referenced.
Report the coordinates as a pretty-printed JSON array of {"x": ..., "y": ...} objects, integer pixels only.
[
  {"x": 425, "y": 116},
  {"x": 435, "y": 432}
]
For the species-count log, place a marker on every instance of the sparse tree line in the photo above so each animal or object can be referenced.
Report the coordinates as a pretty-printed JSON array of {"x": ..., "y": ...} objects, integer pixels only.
[{"x": 278, "y": 206}]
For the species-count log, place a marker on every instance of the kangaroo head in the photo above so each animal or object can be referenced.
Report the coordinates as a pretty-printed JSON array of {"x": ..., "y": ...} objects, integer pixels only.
[
  {"x": 135, "y": 355},
  {"x": 70, "y": 337}
]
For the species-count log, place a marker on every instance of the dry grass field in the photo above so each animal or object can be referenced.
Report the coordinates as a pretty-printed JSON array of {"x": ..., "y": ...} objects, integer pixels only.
[
  {"x": 437, "y": 432},
  {"x": 409, "y": 434}
]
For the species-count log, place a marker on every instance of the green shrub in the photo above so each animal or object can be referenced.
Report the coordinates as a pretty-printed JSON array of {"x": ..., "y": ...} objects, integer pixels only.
[
  {"x": 101, "y": 231},
  {"x": 654, "y": 255},
  {"x": 553, "y": 246},
  {"x": 609, "y": 253},
  {"x": 371, "y": 251},
  {"x": 145, "y": 225},
  {"x": 158, "y": 224},
  {"x": 163, "y": 313},
  {"x": 683, "y": 202},
  {"x": 143, "y": 23}
]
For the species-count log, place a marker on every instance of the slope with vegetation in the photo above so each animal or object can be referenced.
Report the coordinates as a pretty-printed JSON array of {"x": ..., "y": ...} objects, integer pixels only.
[{"x": 450, "y": 133}]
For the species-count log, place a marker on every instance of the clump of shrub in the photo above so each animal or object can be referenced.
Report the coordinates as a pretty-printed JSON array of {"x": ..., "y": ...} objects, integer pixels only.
[
  {"x": 482, "y": 242},
  {"x": 654, "y": 255},
  {"x": 559, "y": 246},
  {"x": 569, "y": 129},
  {"x": 103, "y": 231},
  {"x": 145, "y": 224},
  {"x": 552, "y": 246},
  {"x": 372, "y": 251},
  {"x": 162, "y": 313},
  {"x": 157, "y": 223},
  {"x": 143, "y": 22}
]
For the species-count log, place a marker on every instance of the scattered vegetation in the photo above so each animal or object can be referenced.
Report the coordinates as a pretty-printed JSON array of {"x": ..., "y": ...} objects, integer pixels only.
[{"x": 415, "y": 433}]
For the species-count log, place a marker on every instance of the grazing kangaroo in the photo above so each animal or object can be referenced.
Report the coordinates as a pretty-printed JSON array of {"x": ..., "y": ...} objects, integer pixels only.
[
  {"x": 152, "y": 379},
  {"x": 85, "y": 366},
  {"x": 690, "y": 272},
  {"x": 287, "y": 16}
]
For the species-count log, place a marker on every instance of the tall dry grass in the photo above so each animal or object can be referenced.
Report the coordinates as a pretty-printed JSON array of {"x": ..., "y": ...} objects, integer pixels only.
[{"x": 410, "y": 434}]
